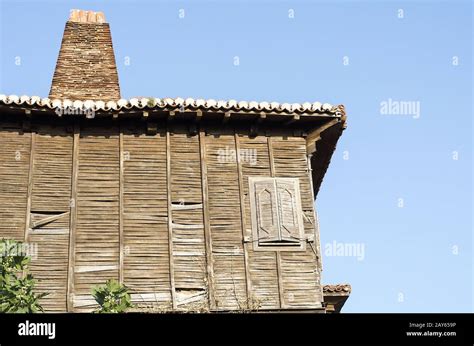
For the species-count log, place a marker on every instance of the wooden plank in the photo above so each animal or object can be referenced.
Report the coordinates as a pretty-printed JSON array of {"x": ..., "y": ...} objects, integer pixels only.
[
  {"x": 153, "y": 297},
  {"x": 50, "y": 232},
  {"x": 72, "y": 220},
  {"x": 96, "y": 268},
  {"x": 243, "y": 221},
  {"x": 30, "y": 187},
  {"x": 170, "y": 219},
  {"x": 207, "y": 231},
  {"x": 184, "y": 226},
  {"x": 121, "y": 182},
  {"x": 190, "y": 297},
  {"x": 46, "y": 220},
  {"x": 186, "y": 207},
  {"x": 278, "y": 254}
]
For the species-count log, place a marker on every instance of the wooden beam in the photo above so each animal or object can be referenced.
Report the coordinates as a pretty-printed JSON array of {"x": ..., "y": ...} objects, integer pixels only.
[
  {"x": 170, "y": 219},
  {"x": 316, "y": 134},
  {"x": 226, "y": 117},
  {"x": 248, "y": 278},
  {"x": 121, "y": 185},
  {"x": 47, "y": 220},
  {"x": 26, "y": 125},
  {"x": 278, "y": 254},
  {"x": 72, "y": 220},
  {"x": 151, "y": 128},
  {"x": 253, "y": 130},
  {"x": 293, "y": 119},
  {"x": 198, "y": 115},
  {"x": 207, "y": 223},
  {"x": 30, "y": 187},
  {"x": 193, "y": 129},
  {"x": 261, "y": 118}
]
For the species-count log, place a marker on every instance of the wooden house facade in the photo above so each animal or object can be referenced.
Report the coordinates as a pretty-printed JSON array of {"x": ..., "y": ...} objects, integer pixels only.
[{"x": 192, "y": 204}]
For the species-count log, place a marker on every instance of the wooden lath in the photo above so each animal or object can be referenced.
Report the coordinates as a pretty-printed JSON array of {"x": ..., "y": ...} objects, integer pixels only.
[
  {"x": 207, "y": 231},
  {"x": 73, "y": 220},
  {"x": 277, "y": 253},
  {"x": 30, "y": 187},
  {"x": 170, "y": 220},
  {"x": 248, "y": 279},
  {"x": 46, "y": 220}
]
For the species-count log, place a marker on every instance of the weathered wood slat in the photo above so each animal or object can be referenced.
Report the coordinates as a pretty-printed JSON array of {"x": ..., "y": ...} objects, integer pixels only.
[
  {"x": 121, "y": 207},
  {"x": 248, "y": 280},
  {"x": 298, "y": 271},
  {"x": 170, "y": 220},
  {"x": 207, "y": 232},
  {"x": 262, "y": 264},
  {"x": 50, "y": 179},
  {"x": 186, "y": 207},
  {"x": 146, "y": 266},
  {"x": 98, "y": 198},
  {"x": 187, "y": 223},
  {"x": 73, "y": 219},
  {"x": 46, "y": 220},
  {"x": 14, "y": 169},
  {"x": 278, "y": 255},
  {"x": 59, "y": 231},
  {"x": 225, "y": 222},
  {"x": 96, "y": 268},
  {"x": 186, "y": 297},
  {"x": 30, "y": 186},
  {"x": 184, "y": 226}
]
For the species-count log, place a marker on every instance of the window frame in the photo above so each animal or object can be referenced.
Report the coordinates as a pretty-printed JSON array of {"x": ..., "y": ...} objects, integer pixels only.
[{"x": 281, "y": 244}]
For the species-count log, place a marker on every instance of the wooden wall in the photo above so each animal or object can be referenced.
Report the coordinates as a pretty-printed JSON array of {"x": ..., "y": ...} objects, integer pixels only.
[{"x": 166, "y": 214}]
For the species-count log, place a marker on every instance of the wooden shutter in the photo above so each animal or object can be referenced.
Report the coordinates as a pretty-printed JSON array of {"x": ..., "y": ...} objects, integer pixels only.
[
  {"x": 288, "y": 209},
  {"x": 265, "y": 208}
]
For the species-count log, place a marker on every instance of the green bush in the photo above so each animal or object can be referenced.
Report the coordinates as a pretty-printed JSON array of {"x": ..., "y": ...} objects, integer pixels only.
[
  {"x": 112, "y": 297},
  {"x": 16, "y": 285}
]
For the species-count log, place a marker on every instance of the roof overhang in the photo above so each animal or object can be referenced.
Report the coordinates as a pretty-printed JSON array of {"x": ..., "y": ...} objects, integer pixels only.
[
  {"x": 335, "y": 296},
  {"x": 321, "y": 124}
]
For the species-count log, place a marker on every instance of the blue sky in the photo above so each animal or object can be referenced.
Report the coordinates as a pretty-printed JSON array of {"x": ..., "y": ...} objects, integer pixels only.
[{"x": 399, "y": 185}]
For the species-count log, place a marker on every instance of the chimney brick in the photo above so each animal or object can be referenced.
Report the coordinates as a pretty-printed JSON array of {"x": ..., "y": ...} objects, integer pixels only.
[{"x": 86, "y": 68}]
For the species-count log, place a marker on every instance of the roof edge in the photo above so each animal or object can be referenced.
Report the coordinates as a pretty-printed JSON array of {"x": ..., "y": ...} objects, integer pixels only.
[{"x": 188, "y": 103}]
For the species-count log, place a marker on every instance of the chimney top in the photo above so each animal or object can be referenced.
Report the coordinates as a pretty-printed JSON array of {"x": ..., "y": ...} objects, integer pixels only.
[
  {"x": 81, "y": 16},
  {"x": 86, "y": 68}
]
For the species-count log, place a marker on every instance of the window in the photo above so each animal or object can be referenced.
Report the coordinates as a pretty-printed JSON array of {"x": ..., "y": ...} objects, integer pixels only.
[{"x": 277, "y": 222}]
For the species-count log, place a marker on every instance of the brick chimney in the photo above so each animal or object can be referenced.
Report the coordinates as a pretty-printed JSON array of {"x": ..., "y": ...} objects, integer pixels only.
[{"x": 86, "y": 68}]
